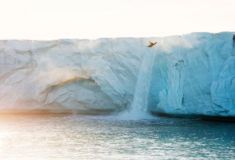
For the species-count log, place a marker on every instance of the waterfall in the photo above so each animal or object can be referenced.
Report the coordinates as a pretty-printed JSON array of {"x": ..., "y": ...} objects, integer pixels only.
[{"x": 139, "y": 105}]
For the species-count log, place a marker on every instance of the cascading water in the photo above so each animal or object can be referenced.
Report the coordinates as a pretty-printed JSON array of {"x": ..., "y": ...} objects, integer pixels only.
[{"x": 140, "y": 101}]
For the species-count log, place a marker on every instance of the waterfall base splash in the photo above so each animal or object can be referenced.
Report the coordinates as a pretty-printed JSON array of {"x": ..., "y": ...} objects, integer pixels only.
[{"x": 135, "y": 115}]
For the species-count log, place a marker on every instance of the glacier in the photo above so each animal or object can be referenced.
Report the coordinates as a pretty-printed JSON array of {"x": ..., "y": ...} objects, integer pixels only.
[{"x": 192, "y": 74}]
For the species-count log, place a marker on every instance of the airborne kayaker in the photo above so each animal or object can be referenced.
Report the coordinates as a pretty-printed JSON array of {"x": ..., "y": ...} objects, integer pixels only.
[{"x": 152, "y": 44}]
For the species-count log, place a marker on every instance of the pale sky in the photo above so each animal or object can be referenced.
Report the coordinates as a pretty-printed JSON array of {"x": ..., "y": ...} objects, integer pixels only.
[{"x": 91, "y": 19}]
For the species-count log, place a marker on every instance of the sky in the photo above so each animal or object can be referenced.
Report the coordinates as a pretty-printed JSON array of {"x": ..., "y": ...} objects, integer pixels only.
[{"x": 92, "y": 19}]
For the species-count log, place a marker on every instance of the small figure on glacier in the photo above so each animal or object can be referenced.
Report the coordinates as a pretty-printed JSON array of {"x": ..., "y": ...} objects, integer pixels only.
[{"x": 152, "y": 44}]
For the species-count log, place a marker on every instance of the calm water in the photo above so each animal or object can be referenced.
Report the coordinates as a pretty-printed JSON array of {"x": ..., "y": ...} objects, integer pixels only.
[{"x": 103, "y": 137}]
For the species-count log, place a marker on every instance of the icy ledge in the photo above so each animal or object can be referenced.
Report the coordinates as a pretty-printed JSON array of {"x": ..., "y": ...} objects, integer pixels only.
[{"x": 193, "y": 74}]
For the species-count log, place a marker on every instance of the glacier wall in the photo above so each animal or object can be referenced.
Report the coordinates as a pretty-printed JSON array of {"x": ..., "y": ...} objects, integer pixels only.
[{"x": 192, "y": 74}]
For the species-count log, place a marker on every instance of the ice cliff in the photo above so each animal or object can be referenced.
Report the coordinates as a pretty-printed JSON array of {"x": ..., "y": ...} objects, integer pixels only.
[{"x": 192, "y": 74}]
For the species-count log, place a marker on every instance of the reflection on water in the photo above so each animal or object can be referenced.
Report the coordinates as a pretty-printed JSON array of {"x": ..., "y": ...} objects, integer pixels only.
[{"x": 103, "y": 137}]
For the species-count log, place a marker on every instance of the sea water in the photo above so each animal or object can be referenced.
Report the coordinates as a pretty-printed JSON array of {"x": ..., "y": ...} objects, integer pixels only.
[{"x": 66, "y": 137}]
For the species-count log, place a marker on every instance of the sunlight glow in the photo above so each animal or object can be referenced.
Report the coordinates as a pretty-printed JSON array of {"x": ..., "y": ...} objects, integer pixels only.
[{"x": 54, "y": 19}]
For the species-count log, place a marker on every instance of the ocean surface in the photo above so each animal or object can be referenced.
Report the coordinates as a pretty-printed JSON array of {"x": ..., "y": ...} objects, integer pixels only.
[{"x": 67, "y": 137}]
